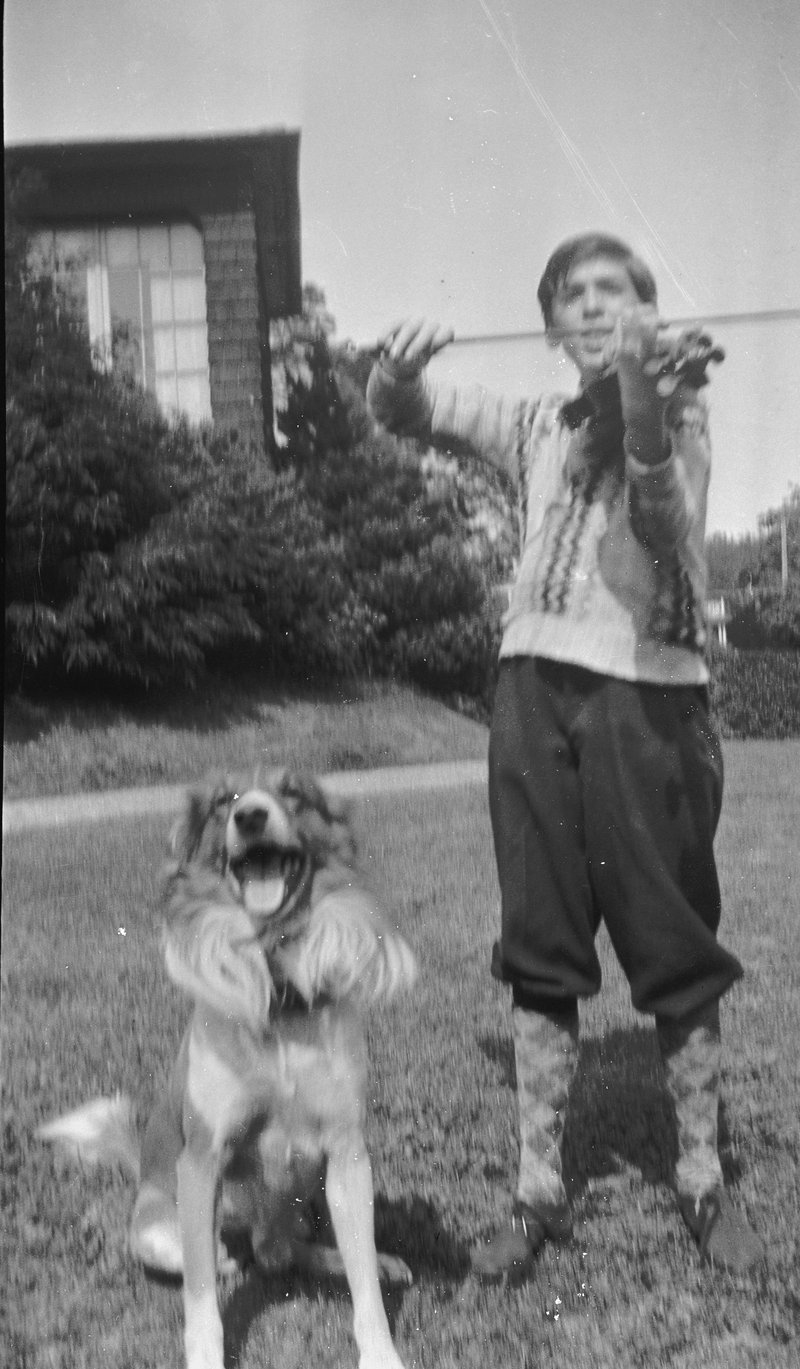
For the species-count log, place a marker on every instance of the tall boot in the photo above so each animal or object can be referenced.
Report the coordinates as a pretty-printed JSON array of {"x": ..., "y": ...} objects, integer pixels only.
[
  {"x": 691, "y": 1052},
  {"x": 546, "y": 1054}
]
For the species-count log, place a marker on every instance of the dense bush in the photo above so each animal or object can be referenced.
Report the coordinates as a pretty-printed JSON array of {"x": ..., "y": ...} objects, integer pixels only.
[
  {"x": 756, "y": 681},
  {"x": 756, "y": 693},
  {"x": 759, "y": 578},
  {"x": 410, "y": 561},
  {"x": 422, "y": 557},
  {"x": 240, "y": 565},
  {"x": 89, "y": 465},
  {"x": 767, "y": 618},
  {"x": 140, "y": 550}
]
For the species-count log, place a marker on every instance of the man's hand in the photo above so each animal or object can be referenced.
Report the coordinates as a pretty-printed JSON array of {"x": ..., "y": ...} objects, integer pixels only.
[
  {"x": 634, "y": 352},
  {"x": 409, "y": 345},
  {"x": 641, "y": 345},
  {"x": 634, "y": 341}
]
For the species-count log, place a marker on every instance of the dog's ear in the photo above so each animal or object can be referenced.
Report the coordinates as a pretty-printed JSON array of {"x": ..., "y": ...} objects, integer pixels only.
[
  {"x": 339, "y": 808},
  {"x": 325, "y": 819},
  {"x": 305, "y": 789},
  {"x": 185, "y": 837},
  {"x": 203, "y": 804}
]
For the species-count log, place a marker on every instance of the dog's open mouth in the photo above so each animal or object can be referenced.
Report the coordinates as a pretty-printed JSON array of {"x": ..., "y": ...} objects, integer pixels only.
[{"x": 269, "y": 879}]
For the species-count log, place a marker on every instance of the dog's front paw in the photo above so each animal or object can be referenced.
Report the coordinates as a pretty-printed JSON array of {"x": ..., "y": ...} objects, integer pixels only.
[
  {"x": 394, "y": 1272},
  {"x": 381, "y": 1359},
  {"x": 204, "y": 1351},
  {"x": 228, "y": 1267}
]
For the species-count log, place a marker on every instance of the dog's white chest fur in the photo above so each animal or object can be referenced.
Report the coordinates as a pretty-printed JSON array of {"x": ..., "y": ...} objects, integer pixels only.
[{"x": 305, "y": 1077}]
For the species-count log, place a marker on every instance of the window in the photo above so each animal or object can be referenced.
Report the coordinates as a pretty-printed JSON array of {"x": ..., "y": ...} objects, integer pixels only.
[{"x": 142, "y": 290}]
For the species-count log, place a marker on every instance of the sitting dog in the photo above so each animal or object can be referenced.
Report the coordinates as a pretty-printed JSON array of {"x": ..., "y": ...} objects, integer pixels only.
[{"x": 272, "y": 934}]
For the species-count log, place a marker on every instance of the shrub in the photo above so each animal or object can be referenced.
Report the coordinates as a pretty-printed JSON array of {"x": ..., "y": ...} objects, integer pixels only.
[
  {"x": 240, "y": 567},
  {"x": 90, "y": 461},
  {"x": 89, "y": 465},
  {"x": 756, "y": 693},
  {"x": 420, "y": 555},
  {"x": 769, "y": 618},
  {"x": 140, "y": 550},
  {"x": 760, "y": 579}
]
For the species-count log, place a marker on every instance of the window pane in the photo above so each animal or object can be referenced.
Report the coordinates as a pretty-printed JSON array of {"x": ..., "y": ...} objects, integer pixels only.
[
  {"x": 191, "y": 349},
  {"x": 98, "y": 315},
  {"x": 123, "y": 294},
  {"x": 164, "y": 349},
  {"x": 161, "y": 299},
  {"x": 154, "y": 247},
  {"x": 194, "y": 397},
  {"x": 189, "y": 293},
  {"x": 142, "y": 292},
  {"x": 149, "y": 359},
  {"x": 167, "y": 393},
  {"x": 187, "y": 247},
  {"x": 126, "y": 319},
  {"x": 122, "y": 246}
]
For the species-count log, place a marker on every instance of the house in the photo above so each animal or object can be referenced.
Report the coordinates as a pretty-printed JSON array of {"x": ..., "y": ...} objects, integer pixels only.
[{"x": 178, "y": 252}]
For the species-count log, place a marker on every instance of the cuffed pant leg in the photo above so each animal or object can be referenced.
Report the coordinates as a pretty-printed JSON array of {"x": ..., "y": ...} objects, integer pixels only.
[
  {"x": 652, "y": 780},
  {"x": 548, "y": 919}
]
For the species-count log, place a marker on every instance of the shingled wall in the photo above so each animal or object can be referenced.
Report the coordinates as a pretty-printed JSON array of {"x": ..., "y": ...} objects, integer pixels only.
[{"x": 238, "y": 353}]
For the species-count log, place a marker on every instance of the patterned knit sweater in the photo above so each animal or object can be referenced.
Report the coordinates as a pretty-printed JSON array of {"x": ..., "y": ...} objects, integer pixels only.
[{"x": 612, "y": 571}]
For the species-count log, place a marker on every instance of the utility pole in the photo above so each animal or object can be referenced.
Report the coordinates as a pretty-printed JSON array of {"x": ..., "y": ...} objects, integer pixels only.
[{"x": 784, "y": 551}]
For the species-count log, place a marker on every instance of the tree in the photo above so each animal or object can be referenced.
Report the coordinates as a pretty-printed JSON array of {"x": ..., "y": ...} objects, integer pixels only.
[
  {"x": 422, "y": 556},
  {"x": 730, "y": 562},
  {"x": 749, "y": 572},
  {"x": 310, "y": 416}
]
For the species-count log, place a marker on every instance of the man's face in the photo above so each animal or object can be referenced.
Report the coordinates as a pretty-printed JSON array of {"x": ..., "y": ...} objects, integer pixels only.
[{"x": 586, "y": 306}]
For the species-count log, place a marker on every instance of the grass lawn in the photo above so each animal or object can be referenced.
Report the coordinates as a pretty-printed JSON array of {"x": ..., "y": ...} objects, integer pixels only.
[
  {"x": 64, "y": 748},
  {"x": 87, "y": 1009}
]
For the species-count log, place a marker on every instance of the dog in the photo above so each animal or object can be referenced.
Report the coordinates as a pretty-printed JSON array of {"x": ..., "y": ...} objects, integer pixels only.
[{"x": 271, "y": 931}]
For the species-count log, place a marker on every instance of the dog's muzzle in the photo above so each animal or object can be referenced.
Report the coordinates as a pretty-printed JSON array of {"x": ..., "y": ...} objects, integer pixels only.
[{"x": 266, "y": 860}]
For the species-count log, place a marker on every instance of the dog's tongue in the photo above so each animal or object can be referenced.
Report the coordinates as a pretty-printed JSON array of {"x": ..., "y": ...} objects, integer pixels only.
[
  {"x": 263, "y": 885},
  {"x": 263, "y": 895}
]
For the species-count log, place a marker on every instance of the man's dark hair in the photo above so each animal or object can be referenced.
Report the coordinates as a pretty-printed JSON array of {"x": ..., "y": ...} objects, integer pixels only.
[{"x": 583, "y": 248}]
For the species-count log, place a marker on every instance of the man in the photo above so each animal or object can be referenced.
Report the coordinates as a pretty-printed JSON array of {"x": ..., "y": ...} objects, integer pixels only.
[{"x": 605, "y": 774}]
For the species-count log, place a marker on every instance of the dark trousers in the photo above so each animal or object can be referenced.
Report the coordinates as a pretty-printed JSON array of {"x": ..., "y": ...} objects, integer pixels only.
[{"x": 604, "y": 798}]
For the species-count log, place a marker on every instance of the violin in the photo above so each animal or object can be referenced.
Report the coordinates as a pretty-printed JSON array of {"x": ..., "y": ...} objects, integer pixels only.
[
  {"x": 684, "y": 360},
  {"x": 680, "y": 360}
]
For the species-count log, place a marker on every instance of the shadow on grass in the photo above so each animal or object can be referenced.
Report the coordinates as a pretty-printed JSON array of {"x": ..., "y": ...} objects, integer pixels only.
[
  {"x": 254, "y": 1297},
  {"x": 412, "y": 1227},
  {"x": 217, "y": 701},
  {"x": 620, "y": 1115},
  {"x": 206, "y": 708}
]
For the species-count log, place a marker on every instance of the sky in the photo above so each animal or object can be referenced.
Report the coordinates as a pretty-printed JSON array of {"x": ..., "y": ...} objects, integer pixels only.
[{"x": 448, "y": 145}]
